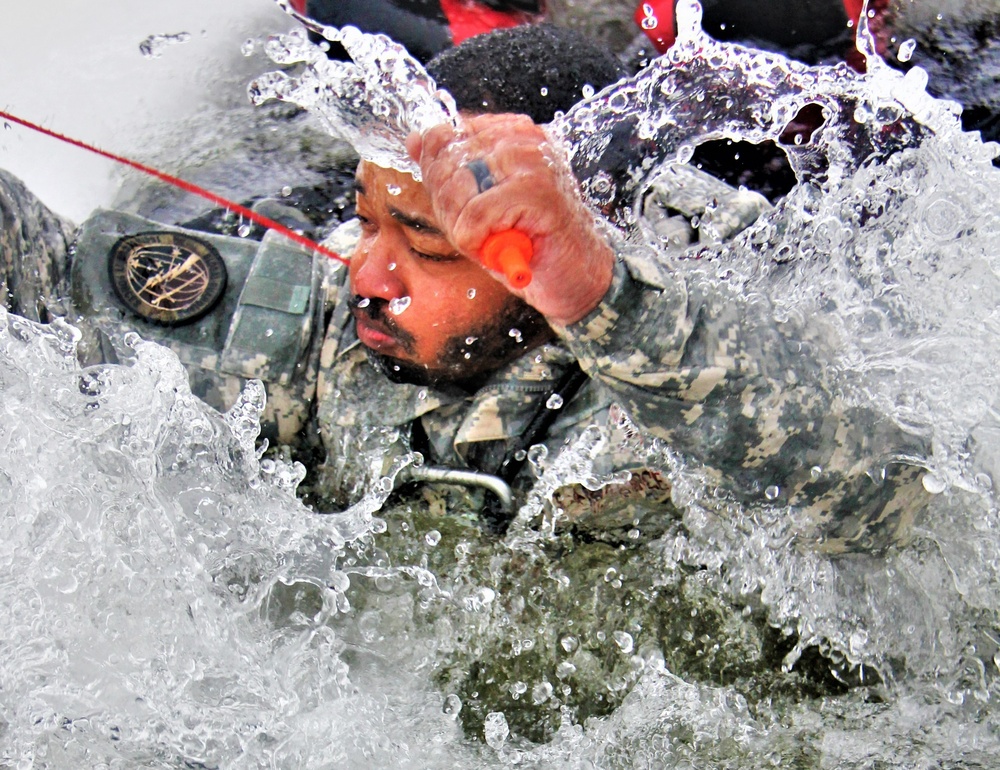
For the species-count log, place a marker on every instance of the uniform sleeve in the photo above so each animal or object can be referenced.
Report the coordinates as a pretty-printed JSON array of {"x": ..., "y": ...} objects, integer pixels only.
[
  {"x": 34, "y": 253},
  {"x": 715, "y": 376}
]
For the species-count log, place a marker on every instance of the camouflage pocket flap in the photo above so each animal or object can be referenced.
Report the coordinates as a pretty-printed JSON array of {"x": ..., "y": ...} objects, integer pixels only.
[{"x": 274, "y": 318}]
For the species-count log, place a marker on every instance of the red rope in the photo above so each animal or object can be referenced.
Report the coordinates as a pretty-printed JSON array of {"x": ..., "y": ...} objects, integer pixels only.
[{"x": 243, "y": 211}]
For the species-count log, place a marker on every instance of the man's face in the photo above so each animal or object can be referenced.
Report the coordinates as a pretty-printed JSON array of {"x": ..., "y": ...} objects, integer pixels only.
[{"x": 426, "y": 313}]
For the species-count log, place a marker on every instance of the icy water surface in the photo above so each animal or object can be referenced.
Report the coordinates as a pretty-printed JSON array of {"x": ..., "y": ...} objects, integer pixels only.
[{"x": 167, "y": 602}]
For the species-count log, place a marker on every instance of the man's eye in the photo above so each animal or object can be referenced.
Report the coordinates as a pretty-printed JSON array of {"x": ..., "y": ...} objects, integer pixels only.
[{"x": 435, "y": 257}]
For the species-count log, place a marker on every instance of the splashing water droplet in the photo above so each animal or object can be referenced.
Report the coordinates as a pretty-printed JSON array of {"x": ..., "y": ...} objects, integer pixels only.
[
  {"x": 154, "y": 45},
  {"x": 555, "y": 402},
  {"x": 286, "y": 191},
  {"x": 540, "y": 693},
  {"x": 772, "y": 492},
  {"x": 364, "y": 302},
  {"x": 243, "y": 230},
  {"x": 569, "y": 643},
  {"x": 398, "y": 305},
  {"x": 470, "y": 340},
  {"x": 537, "y": 455},
  {"x": 934, "y": 485},
  {"x": 394, "y": 189},
  {"x": 516, "y": 334},
  {"x": 906, "y": 49},
  {"x": 544, "y": 91},
  {"x": 565, "y": 669},
  {"x": 495, "y": 730},
  {"x": 432, "y": 538},
  {"x": 471, "y": 294},
  {"x": 452, "y": 705},
  {"x": 391, "y": 266},
  {"x": 624, "y": 641}
]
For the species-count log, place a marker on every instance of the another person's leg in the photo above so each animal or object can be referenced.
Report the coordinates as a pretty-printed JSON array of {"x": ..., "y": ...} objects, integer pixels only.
[{"x": 34, "y": 254}]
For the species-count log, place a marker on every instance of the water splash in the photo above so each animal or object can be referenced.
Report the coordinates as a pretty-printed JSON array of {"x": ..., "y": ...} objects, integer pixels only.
[
  {"x": 167, "y": 601},
  {"x": 839, "y": 250},
  {"x": 373, "y": 102},
  {"x": 701, "y": 90},
  {"x": 885, "y": 251},
  {"x": 150, "y": 561}
]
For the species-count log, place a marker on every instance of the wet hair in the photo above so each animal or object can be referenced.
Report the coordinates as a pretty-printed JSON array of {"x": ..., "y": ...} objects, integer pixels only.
[{"x": 535, "y": 70}]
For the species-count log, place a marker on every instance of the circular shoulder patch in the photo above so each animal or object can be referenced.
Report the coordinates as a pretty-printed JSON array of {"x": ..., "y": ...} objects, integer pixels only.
[{"x": 167, "y": 278}]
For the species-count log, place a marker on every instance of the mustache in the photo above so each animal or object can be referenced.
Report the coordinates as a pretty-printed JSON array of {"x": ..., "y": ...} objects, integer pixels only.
[{"x": 377, "y": 310}]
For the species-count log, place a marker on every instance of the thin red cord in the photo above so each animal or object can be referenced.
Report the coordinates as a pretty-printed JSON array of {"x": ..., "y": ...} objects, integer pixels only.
[{"x": 253, "y": 216}]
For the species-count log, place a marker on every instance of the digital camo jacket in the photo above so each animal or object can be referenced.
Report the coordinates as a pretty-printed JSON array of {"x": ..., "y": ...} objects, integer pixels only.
[
  {"x": 746, "y": 407},
  {"x": 713, "y": 377}
]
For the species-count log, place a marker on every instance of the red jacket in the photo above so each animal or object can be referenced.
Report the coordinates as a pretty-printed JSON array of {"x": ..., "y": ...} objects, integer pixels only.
[{"x": 785, "y": 23}]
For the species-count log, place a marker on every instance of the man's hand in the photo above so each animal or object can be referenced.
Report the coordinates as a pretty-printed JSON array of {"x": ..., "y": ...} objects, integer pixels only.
[{"x": 533, "y": 191}]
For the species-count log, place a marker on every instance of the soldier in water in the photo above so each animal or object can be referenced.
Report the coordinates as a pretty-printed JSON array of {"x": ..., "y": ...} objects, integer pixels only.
[{"x": 418, "y": 347}]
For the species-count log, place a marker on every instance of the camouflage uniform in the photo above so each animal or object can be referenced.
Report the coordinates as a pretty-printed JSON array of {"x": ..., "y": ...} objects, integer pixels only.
[
  {"x": 716, "y": 380},
  {"x": 264, "y": 327},
  {"x": 34, "y": 254},
  {"x": 747, "y": 406},
  {"x": 714, "y": 377},
  {"x": 362, "y": 415}
]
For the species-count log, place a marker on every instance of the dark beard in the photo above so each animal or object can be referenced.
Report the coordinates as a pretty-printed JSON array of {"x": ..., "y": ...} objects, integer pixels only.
[{"x": 462, "y": 365}]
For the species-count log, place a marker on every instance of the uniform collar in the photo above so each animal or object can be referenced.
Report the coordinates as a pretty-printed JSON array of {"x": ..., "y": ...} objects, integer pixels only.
[
  {"x": 503, "y": 408},
  {"x": 499, "y": 410}
]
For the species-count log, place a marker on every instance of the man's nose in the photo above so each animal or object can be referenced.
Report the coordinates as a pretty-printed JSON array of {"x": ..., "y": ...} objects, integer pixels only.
[{"x": 376, "y": 274}]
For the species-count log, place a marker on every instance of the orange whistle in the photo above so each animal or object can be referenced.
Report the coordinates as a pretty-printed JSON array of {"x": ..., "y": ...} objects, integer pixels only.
[{"x": 509, "y": 252}]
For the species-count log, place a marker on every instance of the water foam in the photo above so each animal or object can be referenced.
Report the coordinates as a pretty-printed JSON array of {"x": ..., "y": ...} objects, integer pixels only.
[{"x": 169, "y": 603}]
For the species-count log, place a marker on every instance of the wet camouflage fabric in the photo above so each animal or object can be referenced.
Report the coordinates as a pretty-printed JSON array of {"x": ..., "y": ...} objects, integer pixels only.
[
  {"x": 683, "y": 205},
  {"x": 35, "y": 260},
  {"x": 713, "y": 376},
  {"x": 34, "y": 253},
  {"x": 264, "y": 327}
]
